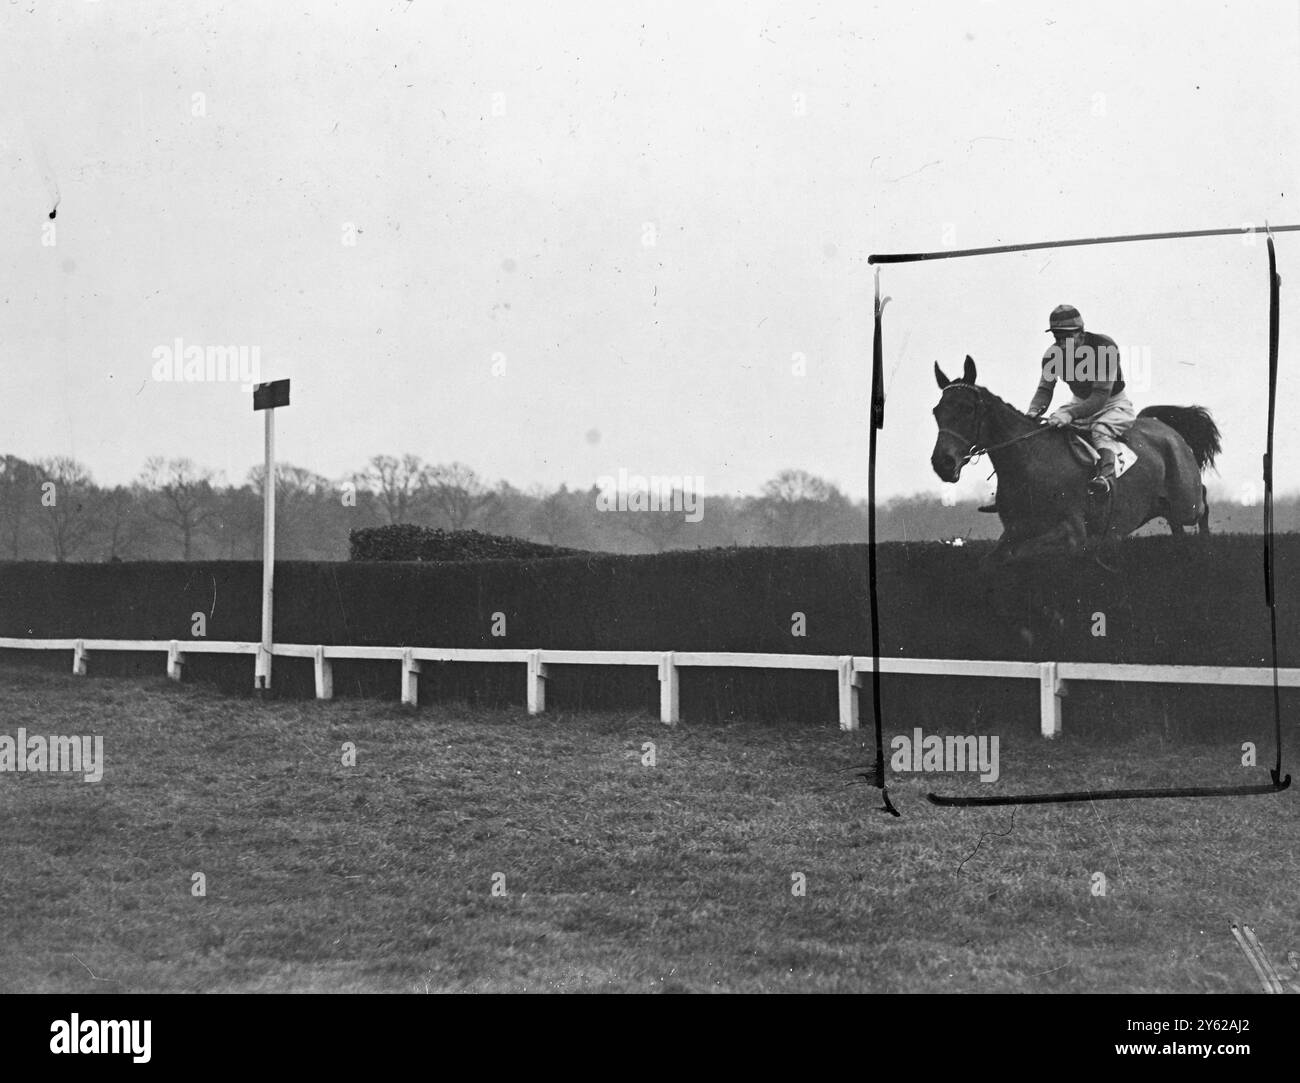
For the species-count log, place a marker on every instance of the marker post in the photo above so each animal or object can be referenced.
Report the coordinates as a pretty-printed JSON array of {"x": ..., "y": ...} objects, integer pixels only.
[{"x": 267, "y": 397}]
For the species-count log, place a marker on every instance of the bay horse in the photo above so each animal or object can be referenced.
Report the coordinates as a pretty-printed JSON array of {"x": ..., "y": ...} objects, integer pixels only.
[{"x": 1043, "y": 499}]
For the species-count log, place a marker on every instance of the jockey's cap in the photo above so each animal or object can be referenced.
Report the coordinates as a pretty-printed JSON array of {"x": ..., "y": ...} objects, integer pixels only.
[{"x": 1065, "y": 318}]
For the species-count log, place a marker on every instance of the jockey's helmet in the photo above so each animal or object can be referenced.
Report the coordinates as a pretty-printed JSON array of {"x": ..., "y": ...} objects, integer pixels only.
[{"x": 1065, "y": 318}]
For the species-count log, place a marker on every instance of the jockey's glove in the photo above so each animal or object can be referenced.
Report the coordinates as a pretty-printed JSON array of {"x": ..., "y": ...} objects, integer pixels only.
[{"x": 1060, "y": 419}]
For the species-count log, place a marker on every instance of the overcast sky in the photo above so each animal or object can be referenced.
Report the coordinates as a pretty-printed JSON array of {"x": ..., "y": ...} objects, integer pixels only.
[{"x": 592, "y": 236}]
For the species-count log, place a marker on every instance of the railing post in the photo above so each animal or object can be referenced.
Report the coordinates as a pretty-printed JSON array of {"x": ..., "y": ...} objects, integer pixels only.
[
  {"x": 536, "y": 683},
  {"x": 324, "y": 675},
  {"x": 410, "y": 678},
  {"x": 849, "y": 683},
  {"x": 1050, "y": 690},
  {"x": 79, "y": 658},
  {"x": 261, "y": 669},
  {"x": 175, "y": 659},
  {"x": 670, "y": 705}
]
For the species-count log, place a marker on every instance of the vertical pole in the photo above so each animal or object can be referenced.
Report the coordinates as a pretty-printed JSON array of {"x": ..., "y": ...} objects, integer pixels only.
[
  {"x": 1050, "y": 691},
  {"x": 536, "y": 683},
  {"x": 324, "y": 675},
  {"x": 410, "y": 678},
  {"x": 877, "y": 422},
  {"x": 670, "y": 690},
  {"x": 262, "y": 678},
  {"x": 849, "y": 682}
]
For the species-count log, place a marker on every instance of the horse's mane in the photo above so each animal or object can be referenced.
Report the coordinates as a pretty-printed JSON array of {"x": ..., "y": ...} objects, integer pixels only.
[{"x": 1000, "y": 401}]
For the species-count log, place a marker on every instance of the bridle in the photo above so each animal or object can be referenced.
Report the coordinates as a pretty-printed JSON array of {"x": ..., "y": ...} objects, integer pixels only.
[
  {"x": 971, "y": 443},
  {"x": 974, "y": 449}
]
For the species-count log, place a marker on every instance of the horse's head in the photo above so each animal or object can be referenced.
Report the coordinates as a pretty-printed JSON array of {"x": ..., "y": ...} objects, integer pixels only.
[{"x": 958, "y": 416}]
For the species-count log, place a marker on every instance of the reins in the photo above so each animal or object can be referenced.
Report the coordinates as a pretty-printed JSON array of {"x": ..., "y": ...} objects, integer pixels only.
[{"x": 974, "y": 450}]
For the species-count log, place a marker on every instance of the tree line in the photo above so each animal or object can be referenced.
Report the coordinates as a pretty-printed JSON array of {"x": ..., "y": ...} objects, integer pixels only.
[{"x": 52, "y": 509}]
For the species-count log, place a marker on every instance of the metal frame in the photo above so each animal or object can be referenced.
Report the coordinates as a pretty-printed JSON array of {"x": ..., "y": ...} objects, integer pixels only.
[{"x": 877, "y": 422}]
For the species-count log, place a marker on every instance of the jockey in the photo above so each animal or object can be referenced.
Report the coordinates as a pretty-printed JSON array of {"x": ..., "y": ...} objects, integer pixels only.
[{"x": 1089, "y": 364}]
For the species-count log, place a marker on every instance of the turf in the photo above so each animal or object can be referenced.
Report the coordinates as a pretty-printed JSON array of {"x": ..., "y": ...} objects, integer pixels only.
[{"x": 617, "y": 876}]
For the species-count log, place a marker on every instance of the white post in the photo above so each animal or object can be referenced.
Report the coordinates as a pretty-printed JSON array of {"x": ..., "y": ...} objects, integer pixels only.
[
  {"x": 262, "y": 674},
  {"x": 670, "y": 708},
  {"x": 410, "y": 678},
  {"x": 536, "y": 683},
  {"x": 849, "y": 683},
  {"x": 1050, "y": 690},
  {"x": 324, "y": 675},
  {"x": 174, "y": 660},
  {"x": 79, "y": 659}
]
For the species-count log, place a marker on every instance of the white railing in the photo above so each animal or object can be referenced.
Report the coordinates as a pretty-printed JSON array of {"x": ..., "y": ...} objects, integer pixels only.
[{"x": 849, "y": 669}]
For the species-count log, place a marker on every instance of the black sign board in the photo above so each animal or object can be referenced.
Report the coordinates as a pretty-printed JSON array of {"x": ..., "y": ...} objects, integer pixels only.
[{"x": 269, "y": 396}]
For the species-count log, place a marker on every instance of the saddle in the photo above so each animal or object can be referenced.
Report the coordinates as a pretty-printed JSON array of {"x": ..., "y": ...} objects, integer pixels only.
[{"x": 1086, "y": 455}]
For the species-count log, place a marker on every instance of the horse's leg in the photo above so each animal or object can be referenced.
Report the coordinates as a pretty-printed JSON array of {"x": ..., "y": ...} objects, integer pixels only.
[
  {"x": 999, "y": 554},
  {"x": 1067, "y": 536},
  {"x": 1203, "y": 523}
]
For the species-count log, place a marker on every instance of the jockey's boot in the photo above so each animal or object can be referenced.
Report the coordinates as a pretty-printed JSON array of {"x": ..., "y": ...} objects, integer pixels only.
[{"x": 1105, "y": 476}]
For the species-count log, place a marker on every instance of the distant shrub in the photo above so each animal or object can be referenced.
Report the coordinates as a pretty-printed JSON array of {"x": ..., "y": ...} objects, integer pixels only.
[{"x": 406, "y": 541}]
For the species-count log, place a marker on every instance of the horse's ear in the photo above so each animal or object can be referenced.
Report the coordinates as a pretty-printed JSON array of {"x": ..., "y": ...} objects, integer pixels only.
[
  {"x": 939, "y": 377},
  {"x": 968, "y": 372}
]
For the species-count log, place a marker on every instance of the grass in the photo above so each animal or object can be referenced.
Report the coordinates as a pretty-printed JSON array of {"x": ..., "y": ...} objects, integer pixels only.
[{"x": 618, "y": 876}]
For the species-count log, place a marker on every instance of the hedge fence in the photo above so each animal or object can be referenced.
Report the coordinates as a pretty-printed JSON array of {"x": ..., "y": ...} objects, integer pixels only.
[{"x": 1172, "y": 601}]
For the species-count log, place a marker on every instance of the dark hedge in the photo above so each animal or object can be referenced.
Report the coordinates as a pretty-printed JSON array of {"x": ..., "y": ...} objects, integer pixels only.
[{"x": 1175, "y": 601}]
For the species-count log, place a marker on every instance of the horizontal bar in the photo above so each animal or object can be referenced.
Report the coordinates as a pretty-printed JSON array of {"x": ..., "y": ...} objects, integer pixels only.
[
  {"x": 362, "y": 654},
  {"x": 294, "y": 650},
  {"x": 37, "y": 644},
  {"x": 1223, "y": 675},
  {"x": 957, "y": 253},
  {"x": 195, "y": 646},
  {"x": 1241, "y": 676},
  {"x": 602, "y": 658},
  {"x": 470, "y": 654},
  {"x": 757, "y": 661},
  {"x": 950, "y": 666}
]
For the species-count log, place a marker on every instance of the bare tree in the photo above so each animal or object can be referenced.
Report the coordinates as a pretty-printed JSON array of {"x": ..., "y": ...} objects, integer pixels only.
[
  {"x": 303, "y": 500},
  {"x": 120, "y": 520},
  {"x": 237, "y": 524},
  {"x": 796, "y": 507},
  {"x": 182, "y": 496},
  {"x": 502, "y": 511},
  {"x": 660, "y": 528},
  {"x": 400, "y": 486},
  {"x": 554, "y": 517},
  {"x": 19, "y": 499},
  {"x": 68, "y": 499},
  {"x": 456, "y": 491}
]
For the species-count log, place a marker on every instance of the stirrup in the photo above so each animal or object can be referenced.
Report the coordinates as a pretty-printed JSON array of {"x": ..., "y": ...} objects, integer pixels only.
[{"x": 1101, "y": 484}]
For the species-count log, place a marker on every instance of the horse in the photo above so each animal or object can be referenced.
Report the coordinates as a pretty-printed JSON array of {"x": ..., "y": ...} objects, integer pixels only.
[{"x": 1043, "y": 499}]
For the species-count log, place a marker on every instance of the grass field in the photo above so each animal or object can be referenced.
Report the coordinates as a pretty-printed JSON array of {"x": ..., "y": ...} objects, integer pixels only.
[{"x": 617, "y": 876}]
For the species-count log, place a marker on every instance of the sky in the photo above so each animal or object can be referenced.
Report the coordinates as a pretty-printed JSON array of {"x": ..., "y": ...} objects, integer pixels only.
[{"x": 555, "y": 241}]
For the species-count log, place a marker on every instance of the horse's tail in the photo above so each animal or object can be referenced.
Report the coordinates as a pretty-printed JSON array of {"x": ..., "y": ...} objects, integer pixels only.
[{"x": 1195, "y": 425}]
